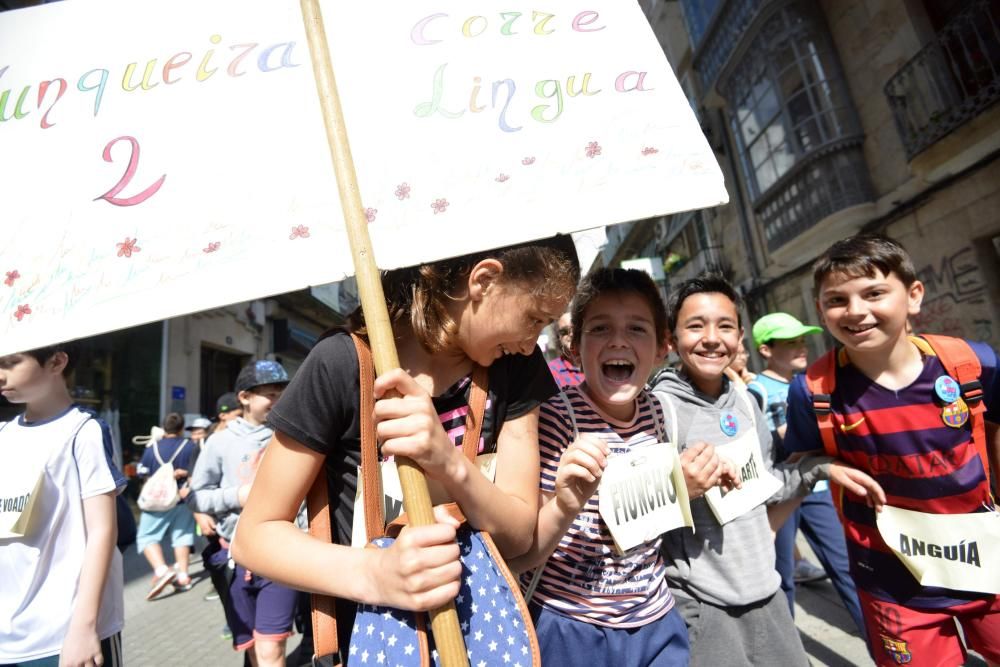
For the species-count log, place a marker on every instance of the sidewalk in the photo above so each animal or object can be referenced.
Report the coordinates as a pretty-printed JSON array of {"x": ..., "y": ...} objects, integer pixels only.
[
  {"x": 182, "y": 629},
  {"x": 176, "y": 629}
]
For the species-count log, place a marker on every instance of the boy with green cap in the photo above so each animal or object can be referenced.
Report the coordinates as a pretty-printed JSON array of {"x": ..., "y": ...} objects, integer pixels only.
[{"x": 781, "y": 340}]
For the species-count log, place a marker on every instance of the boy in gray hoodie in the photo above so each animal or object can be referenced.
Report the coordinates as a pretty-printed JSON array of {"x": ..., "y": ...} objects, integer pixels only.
[
  {"x": 260, "y": 612},
  {"x": 723, "y": 575}
]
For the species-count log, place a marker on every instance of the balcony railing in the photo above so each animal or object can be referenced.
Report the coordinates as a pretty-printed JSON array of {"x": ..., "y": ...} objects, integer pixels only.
[
  {"x": 951, "y": 80},
  {"x": 826, "y": 182}
]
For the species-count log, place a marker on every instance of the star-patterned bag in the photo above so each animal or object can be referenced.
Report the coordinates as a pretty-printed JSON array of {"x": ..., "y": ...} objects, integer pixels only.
[{"x": 492, "y": 613}]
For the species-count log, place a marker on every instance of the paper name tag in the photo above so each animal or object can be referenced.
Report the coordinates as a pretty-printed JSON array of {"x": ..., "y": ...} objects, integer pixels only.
[
  {"x": 392, "y": 494},
  {"x": 956, "y": 551},
  {"x": 758, "y": 484},
  {"x": 20, "y": 483},
  {"x": 642, "y": 495}
]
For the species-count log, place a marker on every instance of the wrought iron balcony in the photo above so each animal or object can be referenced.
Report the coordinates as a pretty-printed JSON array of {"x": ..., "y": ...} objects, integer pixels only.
[
  {"x": 951, "y": 80},
  {"x": 827, "y": 181}
]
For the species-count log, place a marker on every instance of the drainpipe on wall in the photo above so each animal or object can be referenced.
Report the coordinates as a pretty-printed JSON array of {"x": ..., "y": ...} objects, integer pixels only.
[
  {"x": 741, "y": 207},
  {"x": 164, "y": 354}
]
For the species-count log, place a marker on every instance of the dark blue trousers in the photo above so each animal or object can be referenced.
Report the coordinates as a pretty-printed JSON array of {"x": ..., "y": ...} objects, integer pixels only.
[
  {"x": 817, "y": 518},
  {"x": 568, "y": 642}
]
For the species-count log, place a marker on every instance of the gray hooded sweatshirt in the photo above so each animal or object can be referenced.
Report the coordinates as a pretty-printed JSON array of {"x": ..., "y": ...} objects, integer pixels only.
[
  {"x": 730, "y": 565},
  {"x": 227, "y": 462}
]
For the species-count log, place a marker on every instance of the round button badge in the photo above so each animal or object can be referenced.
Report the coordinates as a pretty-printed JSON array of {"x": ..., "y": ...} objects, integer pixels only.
[
  {"x": 955, "y": 414},
  {"x": 728, "y": 424},
  {"x": 947, "y": 389}
]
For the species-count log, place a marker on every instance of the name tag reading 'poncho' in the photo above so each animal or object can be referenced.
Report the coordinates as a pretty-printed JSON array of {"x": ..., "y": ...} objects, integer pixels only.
[
  {"x": 956, "y": 551},
  {"x": 642, "y": 495},
  {"x": 758, "y": 484}
]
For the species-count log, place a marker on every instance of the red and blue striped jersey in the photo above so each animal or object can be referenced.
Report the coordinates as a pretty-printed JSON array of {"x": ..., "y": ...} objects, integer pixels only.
[
  {"x": 900, "y": 439},
  {"x": 565, "y": 373}
]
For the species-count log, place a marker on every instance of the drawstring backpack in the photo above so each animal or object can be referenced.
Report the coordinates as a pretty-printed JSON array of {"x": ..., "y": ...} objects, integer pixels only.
[
  {"x": 159, "y": 493},
  {"x": 492, "y": 614}
]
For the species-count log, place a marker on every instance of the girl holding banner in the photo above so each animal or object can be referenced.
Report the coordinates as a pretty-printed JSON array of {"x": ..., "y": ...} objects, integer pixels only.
[
  {"x": 448, "y": 317},
  {"x": 610, "y": 487}
]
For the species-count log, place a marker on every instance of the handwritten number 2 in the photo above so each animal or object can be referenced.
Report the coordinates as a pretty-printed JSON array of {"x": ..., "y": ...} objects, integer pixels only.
[{"x": 133, "y": 164}]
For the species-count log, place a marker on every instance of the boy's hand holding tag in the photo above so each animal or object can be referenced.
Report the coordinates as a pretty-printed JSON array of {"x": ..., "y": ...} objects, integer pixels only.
[
  {"x": 757, "y": 484},
  {"x": 704, "y": 469},
  {"x": 580, "y": 470},
  {"x": 643, "y": 494}
]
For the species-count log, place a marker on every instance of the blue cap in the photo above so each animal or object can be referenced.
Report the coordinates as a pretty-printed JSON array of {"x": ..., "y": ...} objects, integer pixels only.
[{"x": 257, "y": 373}]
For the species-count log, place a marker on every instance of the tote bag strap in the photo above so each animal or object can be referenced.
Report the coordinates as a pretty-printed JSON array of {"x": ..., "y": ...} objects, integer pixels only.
[{"x": 324, "y": 607}]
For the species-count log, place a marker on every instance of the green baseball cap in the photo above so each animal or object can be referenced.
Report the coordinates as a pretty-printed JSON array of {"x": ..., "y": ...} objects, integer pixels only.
[{"x": 780, "y": 326}]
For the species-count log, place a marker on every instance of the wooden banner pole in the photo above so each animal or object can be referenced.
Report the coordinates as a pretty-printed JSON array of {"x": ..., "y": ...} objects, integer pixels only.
[{"x": 416, "y": 497}]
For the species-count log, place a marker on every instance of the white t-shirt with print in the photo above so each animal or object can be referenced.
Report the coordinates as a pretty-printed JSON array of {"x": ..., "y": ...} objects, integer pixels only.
[{"x": 39, "y": 572}]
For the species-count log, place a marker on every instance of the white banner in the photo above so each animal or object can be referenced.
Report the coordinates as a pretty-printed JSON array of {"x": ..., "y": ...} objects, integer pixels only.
[
  {"x": 160, "y": 159},
  {"x": 957, "y": 551}
]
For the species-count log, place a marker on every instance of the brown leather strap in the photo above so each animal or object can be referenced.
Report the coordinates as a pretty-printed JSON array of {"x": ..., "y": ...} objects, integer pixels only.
[
  {"x": 371, "y": 479},
  {"x": 324, "y": 610},
  {"x": 477, "y": 412}
]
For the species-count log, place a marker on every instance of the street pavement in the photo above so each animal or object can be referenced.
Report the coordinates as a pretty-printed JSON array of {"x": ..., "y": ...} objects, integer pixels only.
[{"x": 183, "y": 629}]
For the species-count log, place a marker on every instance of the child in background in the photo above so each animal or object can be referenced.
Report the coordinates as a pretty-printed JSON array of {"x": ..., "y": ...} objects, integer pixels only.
[
  {"x": 740, "y": 365},
  {"x": 61, "y": 583},
  {"x": 176, "y": 521},
  {"x": 780, "y": 339},
  {"x": 563, "y": 367},
  {"x": 260, "y": 612},
  {"x": 594, "y": 604},
  {"x": 901, "y": 418},
  {"x": 723, "y": 576},
  {"x": 447, "y": 317}
]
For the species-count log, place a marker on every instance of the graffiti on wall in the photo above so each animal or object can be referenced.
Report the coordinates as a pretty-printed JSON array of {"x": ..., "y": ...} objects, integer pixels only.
[
  {"x": 954, "y": 277},
  {"x": 956, "y": 301}
]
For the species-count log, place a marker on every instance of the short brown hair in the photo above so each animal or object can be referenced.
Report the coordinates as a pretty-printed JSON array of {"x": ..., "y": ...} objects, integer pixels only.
[
  {"x": 704, "y": 283},
  {"x": 43, "y": 354},
  {"x": 548, "y": 269},
  {"x": 617, "y": 281},
  {"x": 173, "y": 423},
  {"x": 864, "y": 255}
]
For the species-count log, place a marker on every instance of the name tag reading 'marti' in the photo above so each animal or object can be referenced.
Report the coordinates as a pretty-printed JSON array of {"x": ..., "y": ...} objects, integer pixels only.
[
  {"x": 642, "y": 495},
  {"x": 758, "y": 484},
  {"x": 956, "y": 551}
]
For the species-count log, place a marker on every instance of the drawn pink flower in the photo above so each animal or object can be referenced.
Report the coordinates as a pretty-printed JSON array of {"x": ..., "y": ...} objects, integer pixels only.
[
  {"x": 22, "y": 310},
  {"x": 403, "y": 191},
  {"x": 11, "y": 277},
  {"x": 502, "y": 178},
  {"x": 649, "y": 150},
  {"x": 440, "y": 206},
  {"x": 127, "y": 247},
  {"x": 528, "y": 161},
  {"x": 370, "y": 213},
  {"x": 593, "y": 149},
  {"x": 299, "y": 232},
  {"x": 212, "y": 247}
]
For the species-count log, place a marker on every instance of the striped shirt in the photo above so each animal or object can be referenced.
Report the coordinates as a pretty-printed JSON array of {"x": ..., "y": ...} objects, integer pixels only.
[
  {"x": 585, "y": 577},
  {"x": 899, "y": 438}
]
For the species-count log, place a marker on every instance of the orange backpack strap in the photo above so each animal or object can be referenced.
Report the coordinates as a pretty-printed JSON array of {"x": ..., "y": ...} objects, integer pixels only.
[
  {"x": 821, "y": 379},
  {"x": 960, "y": 361}
]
